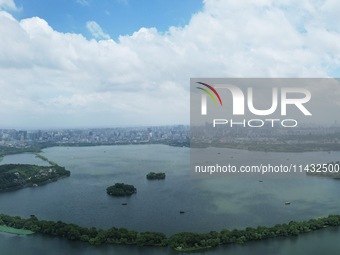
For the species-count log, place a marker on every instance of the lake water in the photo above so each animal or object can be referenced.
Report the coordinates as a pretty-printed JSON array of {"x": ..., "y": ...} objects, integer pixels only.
[{"x": 209, "y": 203}]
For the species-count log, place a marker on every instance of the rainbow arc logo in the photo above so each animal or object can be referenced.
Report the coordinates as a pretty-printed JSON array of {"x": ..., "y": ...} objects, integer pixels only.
[{"x": 211, "y": 92}]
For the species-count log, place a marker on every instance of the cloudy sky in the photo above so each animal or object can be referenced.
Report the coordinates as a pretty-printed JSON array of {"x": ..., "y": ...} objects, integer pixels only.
[{"x": 107, "y": 63}]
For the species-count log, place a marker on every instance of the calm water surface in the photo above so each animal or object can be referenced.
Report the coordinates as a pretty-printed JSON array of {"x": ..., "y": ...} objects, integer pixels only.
[{"x": 209, "y": 203}]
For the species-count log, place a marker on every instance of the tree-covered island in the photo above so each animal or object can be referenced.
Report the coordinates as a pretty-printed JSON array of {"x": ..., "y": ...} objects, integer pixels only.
[
  {"x": 121, "y": 189},
  {"x": 331, "y": 170},
  {"x": 17, "y": 176},
  {"x": 155, "y": 176}
]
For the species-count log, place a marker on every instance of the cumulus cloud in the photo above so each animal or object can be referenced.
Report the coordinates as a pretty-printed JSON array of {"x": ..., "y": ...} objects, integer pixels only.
[
  {"x": 53, "y": 79},
  {"x": 96, "y": 31}
]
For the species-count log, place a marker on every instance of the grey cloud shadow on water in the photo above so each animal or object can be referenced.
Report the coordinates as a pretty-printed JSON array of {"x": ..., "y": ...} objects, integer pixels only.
[{"x": 255, "y": 210}]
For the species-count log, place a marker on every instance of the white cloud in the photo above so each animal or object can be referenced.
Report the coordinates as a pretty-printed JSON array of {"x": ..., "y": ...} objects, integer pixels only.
[
  {"x": 8, "y": 5},
  {"x": 83, "y": 2},
  {"x": 48, "y": 78},
  {"x": 96, "y": 31}
]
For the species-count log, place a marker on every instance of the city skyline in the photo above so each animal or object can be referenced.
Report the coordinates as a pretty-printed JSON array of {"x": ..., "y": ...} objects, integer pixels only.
[{"x": 80, "y": 64}]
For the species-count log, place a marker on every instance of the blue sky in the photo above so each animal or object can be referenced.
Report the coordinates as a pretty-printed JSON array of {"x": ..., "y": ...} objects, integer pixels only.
[
  {"x": 105, "y": 63},
  {"x": 116, "y": 17}
]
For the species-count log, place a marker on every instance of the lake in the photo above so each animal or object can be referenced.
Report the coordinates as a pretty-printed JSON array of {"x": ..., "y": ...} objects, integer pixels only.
[{"x": 209, "y": 203}]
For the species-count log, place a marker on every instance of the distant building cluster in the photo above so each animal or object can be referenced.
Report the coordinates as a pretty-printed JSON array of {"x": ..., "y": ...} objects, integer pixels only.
[
  {"x": 174, "y": 135},
  {"x": 179, "y": 135},
  {"x": 246, "y": 135}
]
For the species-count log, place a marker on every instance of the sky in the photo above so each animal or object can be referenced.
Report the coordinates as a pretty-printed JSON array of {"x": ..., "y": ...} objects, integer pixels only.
[{"x": 109, "y": 63}]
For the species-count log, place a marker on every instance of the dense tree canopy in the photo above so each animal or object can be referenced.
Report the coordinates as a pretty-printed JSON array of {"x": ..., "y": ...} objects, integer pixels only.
[
  {"x": 155, "y": 176},
  {"x": 121, "y": 189},
  {"x": 16, "y": 176}
]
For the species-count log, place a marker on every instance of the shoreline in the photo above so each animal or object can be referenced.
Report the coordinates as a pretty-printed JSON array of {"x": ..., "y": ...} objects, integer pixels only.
[
  {"x": 31, "y": 185},
  {"x": 285, "y": 148},
  {"x": 180, "y": 242}
]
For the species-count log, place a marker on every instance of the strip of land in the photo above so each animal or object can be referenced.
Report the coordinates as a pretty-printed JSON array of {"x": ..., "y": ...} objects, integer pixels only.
[{"x": 183, "y": 241}]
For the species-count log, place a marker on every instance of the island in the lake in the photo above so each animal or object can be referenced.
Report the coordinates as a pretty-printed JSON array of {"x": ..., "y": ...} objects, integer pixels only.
[
  {"x": 331, "y": 170},
  {"x": 17, "y": 176},
  {"x": 121, "y": 189},
  {"x": 155, "y": 176}
]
